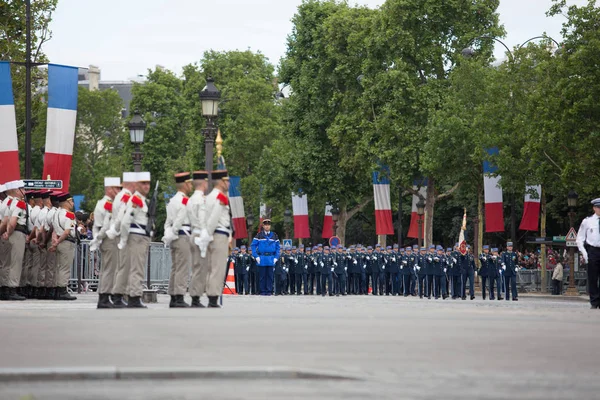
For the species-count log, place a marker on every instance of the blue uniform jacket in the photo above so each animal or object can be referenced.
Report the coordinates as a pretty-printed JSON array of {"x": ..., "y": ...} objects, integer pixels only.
[{"x": 265, "y": 246}]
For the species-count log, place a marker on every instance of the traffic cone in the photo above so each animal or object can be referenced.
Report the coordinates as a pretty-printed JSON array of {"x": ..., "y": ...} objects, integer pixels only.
[{"x": 230, "y": 281}]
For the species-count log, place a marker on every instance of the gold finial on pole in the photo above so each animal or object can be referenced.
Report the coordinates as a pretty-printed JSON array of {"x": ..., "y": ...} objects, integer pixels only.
[{"x": 219, "y": 142}]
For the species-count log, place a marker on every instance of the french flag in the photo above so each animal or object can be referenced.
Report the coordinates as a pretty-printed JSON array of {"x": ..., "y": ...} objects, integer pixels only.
[
  {"x": 300, "y": 209},
  {"x": 237, "y": 208},
  {"x": 383, "y": 207},
  {"x": 9, "y": 146},
  {"x": 413, "y": 230},
  {"x": 327, "y": 223},
  {"x": 60, "y": 128},
  {"x": 531, "y": 208},
  {"x": 494, "y": 211}
]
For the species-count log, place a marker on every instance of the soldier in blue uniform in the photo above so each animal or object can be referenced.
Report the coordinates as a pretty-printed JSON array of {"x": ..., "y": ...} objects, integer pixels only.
[
  {"x": 467, "y": 269},
  {"x": 421, "y": 268},
  {"x": 378, "y": 269},
  {"x": 243, "y": 263},
  {"x": 266, "y": 249},
  {"x": 449, "y": 265},
  {"x": 485, "y": 258},
  {"x": 301, "y": 270},
  {"x": 353, "y": 272},
  {"x": 406, "y": 268},
  {"x": 439, "y": 273},
  {"x": 253, "y": 276},
  {"x": 429, "y": 270},
  {"x": 341, "y": 271},
  {"x": 362, "y": 261},
  {"x": 392, "y": 272},
  {"x": 494, "y": 277},
  {"x": 509, "y": 266},
  {"x": 291, "y": 272},
  {"x": 232, "y": 259},
  {"x": 310, "y": 271},
  {"x": 317, "y": 255},
  {"x": 327, "y": 268}
]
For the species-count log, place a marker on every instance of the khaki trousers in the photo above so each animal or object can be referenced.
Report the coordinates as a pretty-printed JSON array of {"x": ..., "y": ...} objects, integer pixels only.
[
  {"x": 41, "y": 280},
  {"x": 17, "y": 253},
  {"x": 65, "y": 253},
  {"x": 181, "y": 257},
  {"x": 4, "y": 262},
  {"x": 122, "y": 273},
  {"x": 35, "y": 265},
  {"x": 50, "y": 279},
  {"x": 218, "y": 250},
  {"x": 27, "y": 265},
  {"x": 110, "y": 262},
  {"x": 137, "y": 250},
  {"x": 199, "y": 271}
]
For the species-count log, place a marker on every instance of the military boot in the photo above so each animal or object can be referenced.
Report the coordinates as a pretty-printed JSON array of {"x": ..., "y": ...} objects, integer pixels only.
[
  {"x": 13, "y": 296},
  {"x": 117, "y": 301},
  {"x": 173, "y": 301},
  {"x": 212, "y": 302},
  {"x": 41, "y": 293},
  {"x": 135, "y": 302},
  {"x": 50, "y": 293},
  {"x": 3, "y": 293},
  {"x": 180, "y": 302},
  {"x": 196, "y": 302},
  {"x": 63, "y": 294},
  {"x": 104, "y": 301}
]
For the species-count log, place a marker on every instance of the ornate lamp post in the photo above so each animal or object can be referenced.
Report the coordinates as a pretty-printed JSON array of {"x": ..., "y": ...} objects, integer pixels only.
[
  {"x": 137, "y": 128},
  {"x": 287, "y": 220},
  {"x": 250, "y": 222},
  {"x": 210, "y": 97},
  {"x": 420, "y": 213},
  {"x": 335, "y": 217},
  {"x": 572, "y": 203}
]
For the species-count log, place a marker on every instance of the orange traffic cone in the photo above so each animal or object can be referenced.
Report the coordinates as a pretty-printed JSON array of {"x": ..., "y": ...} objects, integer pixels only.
[{"x": 230, "y": 282}]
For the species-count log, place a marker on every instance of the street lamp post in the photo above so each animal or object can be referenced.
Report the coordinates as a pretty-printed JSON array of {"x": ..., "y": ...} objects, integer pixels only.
[
  {"x": 137, "y": 128},
  {"x": 210, "y": 97},
  {"x": 335, "y": 217},
  {"x": 287, "y": 220},
  {"x": 420, "y": 213},
  {"x": 250, "y": 222},
  {"x": 572, "y": 203}
]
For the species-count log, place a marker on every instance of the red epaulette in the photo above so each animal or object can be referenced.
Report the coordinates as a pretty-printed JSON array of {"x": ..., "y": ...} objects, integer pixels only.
[
  {"x": 9, "y": 203},
  {"x": 21, "y": 204},
  {"x": 137, "y": 201},
  {"x": 185, "y": 201},
  {"x": 223, "y": 199},
  {"x": 125, "y": 198},
  {"x": 70, "y": 215},
  {"x": 108, "y": 206}
]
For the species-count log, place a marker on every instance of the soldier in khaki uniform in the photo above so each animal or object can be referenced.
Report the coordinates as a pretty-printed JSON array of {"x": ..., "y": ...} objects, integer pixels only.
[
  {"x": 50, "y": 278},
  {"x": 134, "y": 236},
  {"x": 118, "y": 212},
  {"x": 63, "y": 244},
  {"x": 108, "y": 247},
  {"x": 15, "y": 234},
  {"x": 219, "y": 227},
  {"x": 177, "y": 234},
  {"x": 41, "y": 241},
  {"x": 196, "y": 209},
  {"x": 4, "y": 246},
  {"x": 33, "y": 260}
]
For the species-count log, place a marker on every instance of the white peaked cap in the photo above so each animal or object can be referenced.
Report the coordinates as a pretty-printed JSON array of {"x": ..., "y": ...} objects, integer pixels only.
[
  {"x": 3, "y": 188},
  {"x": 129, "y": 177},
  {"x": 143, "y": 176},
  {"x": 14, "y": 185},
  {"x": 112, "y": 181}
]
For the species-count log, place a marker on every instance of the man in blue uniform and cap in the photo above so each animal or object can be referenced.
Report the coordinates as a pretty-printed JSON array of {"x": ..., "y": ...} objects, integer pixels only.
[{"x": 265, "y": 249}]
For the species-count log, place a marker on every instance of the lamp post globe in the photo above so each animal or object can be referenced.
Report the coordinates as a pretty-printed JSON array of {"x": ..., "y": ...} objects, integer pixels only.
[
  {"x": 420, "y": 212},
  {"x": 210, "y": 97},
  {"x": 137, "y": 130}
]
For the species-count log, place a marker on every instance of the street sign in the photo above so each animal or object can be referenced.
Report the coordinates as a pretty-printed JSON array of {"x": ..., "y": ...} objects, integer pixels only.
[
  {"x": 559, "y": 238},
  {"x": 287, "y": 243},
  {"x": 42, "y": 184},
  {"x": 334, "y": 241},
  {"x": 571, "y": 238}
]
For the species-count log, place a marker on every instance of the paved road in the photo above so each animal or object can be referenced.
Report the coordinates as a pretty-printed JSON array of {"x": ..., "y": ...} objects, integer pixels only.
[{"x": 401, "y": 347}]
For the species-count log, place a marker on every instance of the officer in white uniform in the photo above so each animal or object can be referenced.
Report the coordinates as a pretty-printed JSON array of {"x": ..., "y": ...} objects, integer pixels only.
[{"x": 588, "y": 242}]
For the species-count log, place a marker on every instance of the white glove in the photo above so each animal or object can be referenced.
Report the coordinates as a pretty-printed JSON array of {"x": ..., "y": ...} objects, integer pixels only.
[
  {"x": 404, "y": 262},
  {"x": 374, "y": 258},
  {"x": 368, "y": 258},
  {"x": 345, "y": 268},
  {"x": 233, "y": 260},
  {"x": 364, "y": 267},
  {"x": 247, "y": 268},
  {"x": 394, "y": 259},
  {"x": 322, "y": 265},
  {"x": 429, "y": 259},
  {"x": 454, "y": 259},
  {"x": 436, "y": 259},
  {"x": 504, "y": 267},
  {"x": 383, "y": 267},
  {"x": 258, "y": 260},
  {"x": 286, "y": 270},
  {"x": 331, "y": 269},
  {"x": 444, "y": 270},
  {"x": 122, "y": 244},
  {"x": 306, "y": 267},
  {"x": 296, "y": 260},
  {"x": 112, "y": 232},
  {"x": 334, "y": 263},
  {"x": 315, "y": 262},
  {"x": 418, "y": 268},
  {"x": 355, "y": 262}
]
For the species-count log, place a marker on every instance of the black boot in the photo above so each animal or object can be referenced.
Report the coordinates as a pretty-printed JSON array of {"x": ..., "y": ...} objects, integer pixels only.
[
  {"x": 118, "y": 302},
  {"x": 13, "y": 296},
  {"x": 212, "y": 302},
  {"x": 34, "y": 292},
  {"x": 41, "y": 294},
  {"x": 3, "y": 293},
  {"x": 50, "y": 292},
  {"x": 104, "y": 301},
  {"x": 196, "y": 302},
  {"x": 63, "y": 294},
  {"x": 173, "y": 301},
  {"x": 135, "y": 302},
  {"x": 179, "y": 302},
  {"x": 57, "y": 292}
]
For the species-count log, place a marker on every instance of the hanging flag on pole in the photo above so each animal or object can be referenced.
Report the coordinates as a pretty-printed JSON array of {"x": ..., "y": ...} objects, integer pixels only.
[
  {"x": 300, "y": 209},
  {"x": 327, "y": 222},
  {"x": 462, "y": 241},
  {"x": 413, "y": 230},
  {"x": 9, "y": 146},
  {"x": 531, "y": 208},
  {"x": 383, "y": 206},
  {"x": 494, "y": 211},
  {"x": 60, "y": 128},
  {"x": 237, "y": 208}
]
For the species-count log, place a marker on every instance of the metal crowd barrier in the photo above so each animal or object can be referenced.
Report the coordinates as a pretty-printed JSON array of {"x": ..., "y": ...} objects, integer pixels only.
[
  {"x": 85, "y": 271},
  {"x": 531, "y": 281}
]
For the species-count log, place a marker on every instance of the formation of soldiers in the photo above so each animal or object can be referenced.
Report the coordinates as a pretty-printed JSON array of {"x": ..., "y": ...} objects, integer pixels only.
[
  {"x": 38, "y": 238},
  {"x": 358, "y": 270}
]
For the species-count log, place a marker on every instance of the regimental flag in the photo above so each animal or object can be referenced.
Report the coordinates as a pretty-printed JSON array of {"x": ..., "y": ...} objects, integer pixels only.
[
  {"x": 327, "y": 222},
  {"x": 413, "y": 230},
  {"x": 383, "y": 207},
  {"x": 300, "y": 209},
  {"x": 531, "y": 208},
  {"x": 494, "y": 211},
  {"x": 60, "y": 128},
  {"x": 9, "y": 146},
  {"x": 462, "y": 241},
  {"x": 237, "y": 208}
]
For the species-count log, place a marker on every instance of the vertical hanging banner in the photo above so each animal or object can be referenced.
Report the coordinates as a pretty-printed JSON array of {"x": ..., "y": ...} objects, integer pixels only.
[
  {"x": 237, "y": 208},
  {"x": 60, "y": 128},
  {"x": 327, "y": 223},
  {"x": 300, "y": 209},
  {"x": 383, "y": 206},
  {"x": 531, "y": 208},
  {"x": 494, "y": 210},
  {"x": 413, "y": 230},
  {"x": 9, "y": 146}
]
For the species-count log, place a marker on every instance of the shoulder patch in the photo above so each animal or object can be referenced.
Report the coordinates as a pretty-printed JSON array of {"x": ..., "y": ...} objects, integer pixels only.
[
  {"x": 185, "y": 201},
  {"x": 70, "y": 215},
  {"x": 223, "y": 199},
  {"x": 137, "y": 201},
  {"x": 108, "y": 206},
  {"x": 9, "y": 203},
  {"x": 21, "y": 204},
  {"x": 125, "y": 198}
]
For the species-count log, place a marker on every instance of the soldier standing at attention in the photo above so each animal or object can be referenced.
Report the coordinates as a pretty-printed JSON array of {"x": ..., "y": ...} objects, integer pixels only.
[
  {"x": 301, "y": 270},
  {"x": 219, "y": 227},
  {"x": 509, "y": 266},
  {"x": 266, "y": 249},
  {"x": 196, "y": 209},
  {"x": 134, "y": 239},
  {"x": 63, "y": 243},
  {"x": 108, "y": 247},
  {"x": 588, "y": 242},
  {"x": 42, "y": 240},
  {"x": 484, "y": 272},
  {"x": 494, "y": 268},
  {"x": 244, "y": 261},
  {"x": 14, "y": 234}
]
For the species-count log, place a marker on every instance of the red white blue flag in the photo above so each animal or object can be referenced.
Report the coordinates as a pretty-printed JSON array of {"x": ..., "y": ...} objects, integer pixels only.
[
  {"x": 327, "y": 222},
  {"x": 494, "y": 210},
  {"x": 413, "y": 230},
  {"x": 237, "y": 208},
  {"x": 9, "y": 146},
  {"x": 383, "y": 207},
  {"x": 300, "y": 209},
  {"x": 531, "y": 208}
]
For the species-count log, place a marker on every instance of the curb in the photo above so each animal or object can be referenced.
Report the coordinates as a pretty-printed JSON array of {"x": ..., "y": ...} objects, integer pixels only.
[
  {"x": 581, "y": 299},
  {"x": 143, "y": 373}
]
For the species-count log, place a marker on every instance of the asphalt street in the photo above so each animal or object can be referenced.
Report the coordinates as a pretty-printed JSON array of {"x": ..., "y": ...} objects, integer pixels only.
[{"x": 387, "y": 347}]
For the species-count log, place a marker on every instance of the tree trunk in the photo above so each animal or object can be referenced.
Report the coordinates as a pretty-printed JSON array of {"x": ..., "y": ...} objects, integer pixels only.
[
  {"x": 429, "y": 209},
  {"x": 543, "y": 234},
  {"x": 341, "y": 225}
]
